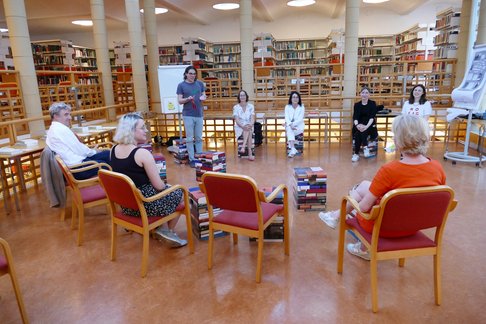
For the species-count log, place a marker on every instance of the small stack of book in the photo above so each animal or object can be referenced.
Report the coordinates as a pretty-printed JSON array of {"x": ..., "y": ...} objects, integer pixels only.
[
  {"x": 28, "y": 143},
  {"x": 369, "y": 151},
  {"x": 179, "y": 150},
  {"x": 310, "y": 188},
  {"x": 161, "y": 165},
  {"x": 298, "y": 144},
  {"x": 210, "y": 161},
  {"x": 275, "y": 231},
  {"x": 200, "y": 215}
]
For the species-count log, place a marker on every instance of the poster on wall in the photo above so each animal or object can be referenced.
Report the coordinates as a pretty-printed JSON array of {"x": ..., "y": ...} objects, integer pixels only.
[{"x": 169, "y": 77}]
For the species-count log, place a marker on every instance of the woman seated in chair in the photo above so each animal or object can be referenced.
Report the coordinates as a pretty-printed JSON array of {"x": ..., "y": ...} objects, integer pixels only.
[
  {"x": 414, "y": 169},
  {"x": 139, "y": 164},
  {"x": 244, "y": 114},
  {"x": 363, "y": 118},
  {"x": 294, "y": 120}
]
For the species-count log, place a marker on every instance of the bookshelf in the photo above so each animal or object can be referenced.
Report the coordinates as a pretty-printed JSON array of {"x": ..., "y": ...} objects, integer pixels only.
[
  {"x": 300, "y": 51},
  {"x": 53, "y": 55},
  {"x": 6, "y": 58},
  {"x": 227, "y": 55},
  {"x": 263, "y": 53},
  {"x": 447, "y": 25},
  {"x": 170, "y": 55},
  {"x": 380, "y": 48},
  {"x": 197, "y": 52},
  {"x": 84, "y": 58},
  {"x": 415, "y": 43}
]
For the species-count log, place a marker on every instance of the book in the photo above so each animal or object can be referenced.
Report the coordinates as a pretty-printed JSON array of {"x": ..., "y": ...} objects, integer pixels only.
[
  {"x": 7, "y": 150},
  {"x": 198, "y": 196}
]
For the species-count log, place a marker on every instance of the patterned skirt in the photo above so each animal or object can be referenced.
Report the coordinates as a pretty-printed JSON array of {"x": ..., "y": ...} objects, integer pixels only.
[{"x": 160, "y": 207}]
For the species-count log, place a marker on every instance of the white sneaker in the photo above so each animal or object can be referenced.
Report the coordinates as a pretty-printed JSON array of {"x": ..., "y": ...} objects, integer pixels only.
[
  {"x": 366, "y": 152},
  {"x": 291, "y": 154},
  {"x": 355, "y": 158},
  {"x": 355, "y": 249},
  {"x": 294, "y": 150},
  {"x": 329, "y": 218}
]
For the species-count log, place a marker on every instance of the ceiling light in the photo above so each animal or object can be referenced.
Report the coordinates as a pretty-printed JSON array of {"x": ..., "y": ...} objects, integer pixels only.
[
  {"x": 83, "y": 22},
  {"x": 226, "y": 6},
  {"x": 300, "y": 3},
  {"x": 3, "y": 30},
  {"x": 158, "y": 11},
  {"x": 374, "y": 1}
]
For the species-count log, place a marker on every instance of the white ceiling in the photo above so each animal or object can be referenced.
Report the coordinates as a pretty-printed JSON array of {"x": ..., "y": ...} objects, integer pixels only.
[{"x": 55, "y": 16}]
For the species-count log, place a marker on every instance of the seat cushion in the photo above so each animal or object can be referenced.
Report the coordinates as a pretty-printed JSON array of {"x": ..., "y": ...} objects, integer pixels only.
[
  {"x": 3, "y": 265},
  {"x": 247, "y": 220},
  {"x": 92, "y": 193},
  {"x": 181, "y": 206},
  {"x": 417, "y": 240},
  {"x": 136, "y": 220}
]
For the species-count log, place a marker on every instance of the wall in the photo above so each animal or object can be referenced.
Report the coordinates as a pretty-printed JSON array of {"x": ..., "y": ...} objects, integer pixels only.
[{"x": 292, "y": 26}]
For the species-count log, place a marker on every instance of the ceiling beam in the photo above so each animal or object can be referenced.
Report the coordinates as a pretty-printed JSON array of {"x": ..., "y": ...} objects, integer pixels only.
[
  {"x": 338, "y": 9},
  {"x": 262, "y": 10},
  {"x": 179, "y": 10}
]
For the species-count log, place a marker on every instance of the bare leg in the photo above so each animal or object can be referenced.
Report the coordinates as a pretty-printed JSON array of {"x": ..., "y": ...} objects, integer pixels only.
[
  {"x": 246, "y": 135},
  {"x": 249, "y": 142}
]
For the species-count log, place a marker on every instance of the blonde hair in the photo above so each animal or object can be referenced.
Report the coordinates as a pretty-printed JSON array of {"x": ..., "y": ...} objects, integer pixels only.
[
  {"x": 411, "y": 134},
  {"x": 125, "y": 132}
]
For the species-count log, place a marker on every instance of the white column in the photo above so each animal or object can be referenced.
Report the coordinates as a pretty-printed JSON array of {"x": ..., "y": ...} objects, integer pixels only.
[
  {"x": 152, "y": 53},
  {"x": 246, "y": 40},
  {"x": 481, "y": 39},
  {"x": 138, "y": 65},
  {"x": 462, "y": 50},
  {"x": 350, "y": 52},
  {"x": 23, "y": 61},
  {"x": 102, "y": 53}
]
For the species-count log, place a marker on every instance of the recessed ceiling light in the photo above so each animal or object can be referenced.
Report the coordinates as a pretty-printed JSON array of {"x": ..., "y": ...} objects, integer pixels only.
[
  {"x": 300, "y": 3},
  {"x": 226, "y": 6},
  {"x": 3, "y": 30},
  {"x": 374, "y": 1},
  {"x": 158, "y": 11},
  {"x": 83, "y": 22}
]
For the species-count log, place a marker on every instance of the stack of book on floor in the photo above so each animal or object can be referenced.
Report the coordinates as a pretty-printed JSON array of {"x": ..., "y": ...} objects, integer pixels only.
[
  {"x": 210, "y": 161},
  {"x": 161, "y": 165},
  {"x": 200, "y": 215},
  {"x": 310, "y": 188},
  {"x": 369, "y": 151},
  {"x": 179, "y": 150},
  {"x": 275, "y": 231},
  {"x": 247, "y": 150}
]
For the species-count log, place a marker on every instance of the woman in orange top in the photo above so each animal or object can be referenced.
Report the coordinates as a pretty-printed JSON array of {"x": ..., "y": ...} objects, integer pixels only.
[{"x": 414, "y": 169}]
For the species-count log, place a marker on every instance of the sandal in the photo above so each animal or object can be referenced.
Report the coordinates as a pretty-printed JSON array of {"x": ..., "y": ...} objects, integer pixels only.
[
  {"x": 242, "y": 151},
  {"x": 251, "y": 158}
]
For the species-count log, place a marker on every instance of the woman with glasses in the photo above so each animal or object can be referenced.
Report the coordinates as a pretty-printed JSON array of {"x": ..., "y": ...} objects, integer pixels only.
[
  {"x": 139, "y": 165},
  {"x": 294, "y": 121},
  {"x": 244, "y": 115},
  {"x": 190, "y": 93}
]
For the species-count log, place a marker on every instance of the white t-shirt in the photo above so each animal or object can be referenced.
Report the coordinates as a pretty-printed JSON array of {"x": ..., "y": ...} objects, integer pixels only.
[
  {"x": 244, "y": 116},
  {"x": 417, "y": 109}
]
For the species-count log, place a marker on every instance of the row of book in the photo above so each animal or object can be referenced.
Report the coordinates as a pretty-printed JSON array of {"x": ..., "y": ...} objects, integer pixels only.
[
  {"x": 209, "y": 161},
  {"x": 275, "y": 231},
  {"x": 310, "y": 188},
  {"x": 200, "y": 215}
]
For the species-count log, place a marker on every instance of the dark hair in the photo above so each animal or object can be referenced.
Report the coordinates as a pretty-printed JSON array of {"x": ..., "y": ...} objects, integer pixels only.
[
  {"x": 190, "y": 67},
  {"x": 365, "y": 88},
  {"x": 246, "y": 94},
  {"x": 422, "y": 99},
  {"x": 298, "y": 94}
]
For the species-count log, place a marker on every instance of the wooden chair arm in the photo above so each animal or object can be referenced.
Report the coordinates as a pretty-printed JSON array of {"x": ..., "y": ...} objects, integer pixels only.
[
  {"x": 453, "y": 205},
  {"x": 272, "y": 195},
  {"x": 103, "y": 146},
  {"x": 161, "y": 194},
  {"x": 371, "y": 215},
  {"x": 89, "y": 165}
]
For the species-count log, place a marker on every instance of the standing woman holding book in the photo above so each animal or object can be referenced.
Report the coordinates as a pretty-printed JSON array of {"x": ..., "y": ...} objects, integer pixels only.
[
  {"x": 417, "y": 104},
  {"x": 294, "y": 120},
  {"x": 244, "y": 115},
  {"x": 364, "y": 114}
]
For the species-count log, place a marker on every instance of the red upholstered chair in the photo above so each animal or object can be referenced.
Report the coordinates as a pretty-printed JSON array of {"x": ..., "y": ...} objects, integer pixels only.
[
  {"x": 7, "y": 267},
  {"x": 245, "y": 210},
  {"x": 121, "y": 191},
  {"x": 409, "y": 210},
  {"x": 85, "y": 193}
]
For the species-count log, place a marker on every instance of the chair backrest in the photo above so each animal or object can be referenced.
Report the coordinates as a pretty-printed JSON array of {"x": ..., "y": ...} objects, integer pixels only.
[
  {"x": 119, "y": 189},
  {"x": 414, "y": 209},
  {"x": 68, "y": 176},
  {"x": 231, "y": 191}
]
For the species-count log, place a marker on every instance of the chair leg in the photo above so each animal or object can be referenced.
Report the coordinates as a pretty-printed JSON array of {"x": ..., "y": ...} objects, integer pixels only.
[
  {"x": 62, "y": 214},
  {"x": 145, "y": 250},
  {"x": 235, "y": 238},
  {"x": 113, "y": 241},
  {"x": 210, "y": 247},
  {"x": 259, "y": 259},
  {"x": 80, "y": 225},
  {"x": 437, "y": 280},
  {"x": 340, "y": 262},
  {"x": 18, "y": 295},
  {"x": 73, "y": 215},
  {"x": 374, "y": 283},
  {"x": 401, "y": 262},
  {"x": 286, "y": 236}
]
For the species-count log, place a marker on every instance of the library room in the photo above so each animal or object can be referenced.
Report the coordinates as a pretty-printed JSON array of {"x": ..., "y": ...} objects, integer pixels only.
[{"x": 249, "y": 161}]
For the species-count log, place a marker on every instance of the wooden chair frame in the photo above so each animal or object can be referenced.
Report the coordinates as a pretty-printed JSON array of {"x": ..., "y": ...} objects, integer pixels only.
[
  {"x": 146, "y": 227},
  {"x": 235, "y": 230},
  {"x": 73, "y": 185},
  {"x": 377, "y": 213},
  {"x": 10, "y": 269}
]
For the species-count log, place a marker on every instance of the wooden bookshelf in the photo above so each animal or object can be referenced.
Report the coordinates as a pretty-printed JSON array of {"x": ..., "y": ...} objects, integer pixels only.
[
  {"x": 170, "y": 55},
  {"x": 415, "y": 43},
  {"x": 447, "y": 25}
]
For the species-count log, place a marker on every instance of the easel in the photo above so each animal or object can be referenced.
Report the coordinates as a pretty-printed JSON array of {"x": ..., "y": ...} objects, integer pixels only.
[{"x": 474, "y": 83}]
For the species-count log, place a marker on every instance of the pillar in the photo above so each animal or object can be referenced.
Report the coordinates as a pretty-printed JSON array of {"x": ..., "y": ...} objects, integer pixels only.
[
  {"x": 102, "y": 54},
  {"x": 350, "y": 54},
  {"x": 24, "y": 63},
  {"x": 246, "y": 40},
  {"x": 138, "y": 65},
  {"x": 462, "y": 42},
  {"x": 481, "y": 38},
  {"x": 152, "y": 53}
]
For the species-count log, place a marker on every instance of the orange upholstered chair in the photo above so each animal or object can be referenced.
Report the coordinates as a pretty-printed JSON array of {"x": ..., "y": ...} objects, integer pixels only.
[
  {"x": 245, "y": 210},
  {"x": 85, "y": 193},
  {"x": 121, "y": 191},
  {"x": 401, "y": 210},
  {"x": 7, "y": 267}
]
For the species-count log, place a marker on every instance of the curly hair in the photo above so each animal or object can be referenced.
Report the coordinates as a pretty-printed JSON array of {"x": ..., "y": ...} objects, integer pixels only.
[
  {"x": 125, "y": 132},
  {"x": 411, "y": 134}
]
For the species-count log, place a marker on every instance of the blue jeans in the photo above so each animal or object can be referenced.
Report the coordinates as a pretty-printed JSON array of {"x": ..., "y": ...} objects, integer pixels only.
[
  {"x": 193, "y": 127},
  {"x": 100, "y": 157}
]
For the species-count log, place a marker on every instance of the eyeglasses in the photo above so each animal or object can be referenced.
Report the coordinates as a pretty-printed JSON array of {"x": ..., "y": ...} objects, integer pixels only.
[{"x": 191, "y": 73}]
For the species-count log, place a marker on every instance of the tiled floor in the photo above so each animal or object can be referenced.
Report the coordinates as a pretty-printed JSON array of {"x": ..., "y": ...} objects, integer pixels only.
[{"x": 63, "y": 283}]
